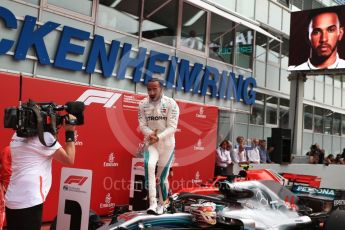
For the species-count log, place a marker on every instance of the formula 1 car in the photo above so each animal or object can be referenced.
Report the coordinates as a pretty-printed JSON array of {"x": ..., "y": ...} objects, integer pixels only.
[
  {"x": 254, "y": 199},
  {"x": 323, "y": 203},
  {"x": 239, "y": 205}
]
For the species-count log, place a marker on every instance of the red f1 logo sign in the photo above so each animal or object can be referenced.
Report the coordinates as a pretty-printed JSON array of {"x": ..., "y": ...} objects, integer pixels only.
[
  {"x": 75, "y": 180},
  {"x": 108, "y": 99}
]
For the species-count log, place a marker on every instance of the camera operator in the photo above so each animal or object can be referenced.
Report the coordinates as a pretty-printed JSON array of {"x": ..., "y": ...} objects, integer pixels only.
[
  {"x": 5, "y": 174},
  {"x": 31, "y": 177}
]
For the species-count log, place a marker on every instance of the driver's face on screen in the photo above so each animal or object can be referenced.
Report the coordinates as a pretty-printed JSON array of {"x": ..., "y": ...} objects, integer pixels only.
[{"x": 325, "y": 34}]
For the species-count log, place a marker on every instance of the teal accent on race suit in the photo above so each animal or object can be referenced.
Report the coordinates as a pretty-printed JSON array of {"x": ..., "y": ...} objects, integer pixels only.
[
  {"x": 146, "y": 163},
  {"x": 164, "y": 175}
]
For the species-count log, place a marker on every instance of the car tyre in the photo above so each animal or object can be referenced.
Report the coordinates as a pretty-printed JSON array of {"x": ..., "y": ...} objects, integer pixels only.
[{"x": 336, "y": 221}]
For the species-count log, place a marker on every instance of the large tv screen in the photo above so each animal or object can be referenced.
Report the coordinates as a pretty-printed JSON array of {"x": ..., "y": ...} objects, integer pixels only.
[{"x": 317, "y": 39}]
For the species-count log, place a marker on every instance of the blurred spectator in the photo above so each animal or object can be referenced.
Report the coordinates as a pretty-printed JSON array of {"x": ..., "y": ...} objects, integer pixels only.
[
  {"x": 253, "y": 152},
  {"x": 193, "y": 41},
  {"x": 239, "y": 154},
  {"x": 343, "y": 154},
  {"x": 316, "y": 154},
  {"x": 329, "y": 159},
  {"x": 223, "y": 159},
  {"x": 338, "y": 159},
  {"x": 264, "y": 154}
]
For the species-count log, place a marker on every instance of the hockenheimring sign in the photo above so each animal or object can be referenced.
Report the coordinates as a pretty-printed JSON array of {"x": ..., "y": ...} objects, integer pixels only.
[{"x": 198, "y": 78}]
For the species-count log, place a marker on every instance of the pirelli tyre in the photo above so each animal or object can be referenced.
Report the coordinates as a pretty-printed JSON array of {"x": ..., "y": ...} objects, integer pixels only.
[{"x": 336, "y": 221}]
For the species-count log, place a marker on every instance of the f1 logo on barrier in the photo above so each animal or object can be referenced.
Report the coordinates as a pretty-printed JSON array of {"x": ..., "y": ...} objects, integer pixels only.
[
  {"x": 100, "y": 97},
  {"x": 74, "y": 202},
  {"x": 75, "y": 180}
]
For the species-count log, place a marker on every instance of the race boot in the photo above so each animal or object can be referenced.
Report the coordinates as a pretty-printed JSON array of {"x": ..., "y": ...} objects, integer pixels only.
[
  {"x": 153, "y": 207},
  {"x": 162, "y": 207}
]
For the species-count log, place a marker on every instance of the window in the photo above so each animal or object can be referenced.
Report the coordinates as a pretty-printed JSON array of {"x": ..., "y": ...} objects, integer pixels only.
[
  {"x": 327, "y": 120},
  {"x": 337, "y": 91},
  {"x": 319, "y": 88},
  {"x": 229, "y": 4},
  {"x": 261, "y": 9},
  {"x": 298, "y": 4},
  {"x": 316, "y": 5},
  {"x": 246, "y": 8},
  {"x": 271, "y": 110},
  {"x": 275, "y": 16},
  {"x": 336, "y": 124},
  {"x": 286, "y": 22},
  {"x": 329, "y": 90},
  {"x": 193, "y": 33},
  {"x": 35, "y": 2},
  {"x": 285, "y": 53},
  {"x": 307, "y": 5},
  {"x": 318, "y": 120},
  {"x": 284, "y": 105},
  {"x": 284, "y": 2},
  {"x": 160, "y": 21},
  {"x": 273, "y": 51},
  {"x": 257, "y": 116},
  {"x": 122, "y": 15},
  {"x": 223, "y": 125},
  {"x": 221, "y": 39},
  {"x": 309, "y": 88},
  {"x": 83, "y": 7},
  {"x": 272, "y": 77},
  {"x": 343, "y": 124},
  {"x": 343, "y": 90},
  {"x": 244, "y": 46},
  {"x": 241, "y": 118},
  {"x": 308, "y": 117},
  {"x": 260, "y": 46}
]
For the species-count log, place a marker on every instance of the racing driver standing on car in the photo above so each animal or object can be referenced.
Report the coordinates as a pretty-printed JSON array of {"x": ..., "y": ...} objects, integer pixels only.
[{"x": 158, "y": 118}]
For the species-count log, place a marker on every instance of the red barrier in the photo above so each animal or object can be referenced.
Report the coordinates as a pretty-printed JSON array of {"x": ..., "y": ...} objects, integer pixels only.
[{"x": 110, "y": 138}]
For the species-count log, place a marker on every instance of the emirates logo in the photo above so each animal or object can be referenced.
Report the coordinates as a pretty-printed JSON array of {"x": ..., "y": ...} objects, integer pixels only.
[
  {"x": 111, "y": 158},
  {"x": 197, "y": 178},
  {"x": 111, "y": 161},
  {"x": 201, "y": 113},
  {"x": 198, "y": 146},
  {"x": 107, "y": 202},
  {"x": 197, "y": 175},
  {"x": 77, "y": 142},
  {"x": 107, "y": 199}
]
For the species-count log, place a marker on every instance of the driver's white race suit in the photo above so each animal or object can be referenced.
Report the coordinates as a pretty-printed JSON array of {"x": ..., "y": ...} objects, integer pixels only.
[{"x": 160, "y": 116}]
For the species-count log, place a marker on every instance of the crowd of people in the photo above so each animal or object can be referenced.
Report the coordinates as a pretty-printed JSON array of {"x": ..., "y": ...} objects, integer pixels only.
[
  {"x": 316, "y": 155},
  {"x": 257, "y": 152},
  {"x": 242, "y": 152}
]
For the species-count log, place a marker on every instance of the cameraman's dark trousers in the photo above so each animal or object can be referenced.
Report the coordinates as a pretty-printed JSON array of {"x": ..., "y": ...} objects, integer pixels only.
[{"x": 24, "y": 219}]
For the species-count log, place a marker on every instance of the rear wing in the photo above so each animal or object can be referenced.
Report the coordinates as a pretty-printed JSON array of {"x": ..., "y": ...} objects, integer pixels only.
[
  {"x": 315, "y": 192},
  {"x": 312, "y": 181}
]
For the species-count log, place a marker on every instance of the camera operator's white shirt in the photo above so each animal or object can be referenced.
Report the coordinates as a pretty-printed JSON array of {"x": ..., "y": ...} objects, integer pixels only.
[{"x": 31, "y": 177}]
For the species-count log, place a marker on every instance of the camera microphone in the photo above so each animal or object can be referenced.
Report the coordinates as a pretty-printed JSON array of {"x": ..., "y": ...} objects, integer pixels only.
[{"x": 75, "y": 107}]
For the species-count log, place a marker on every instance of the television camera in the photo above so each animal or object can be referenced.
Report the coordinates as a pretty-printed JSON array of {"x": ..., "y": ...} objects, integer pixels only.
[
  {"x": 34, "y": 118},
  {"x": 31, "y": 119}
]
